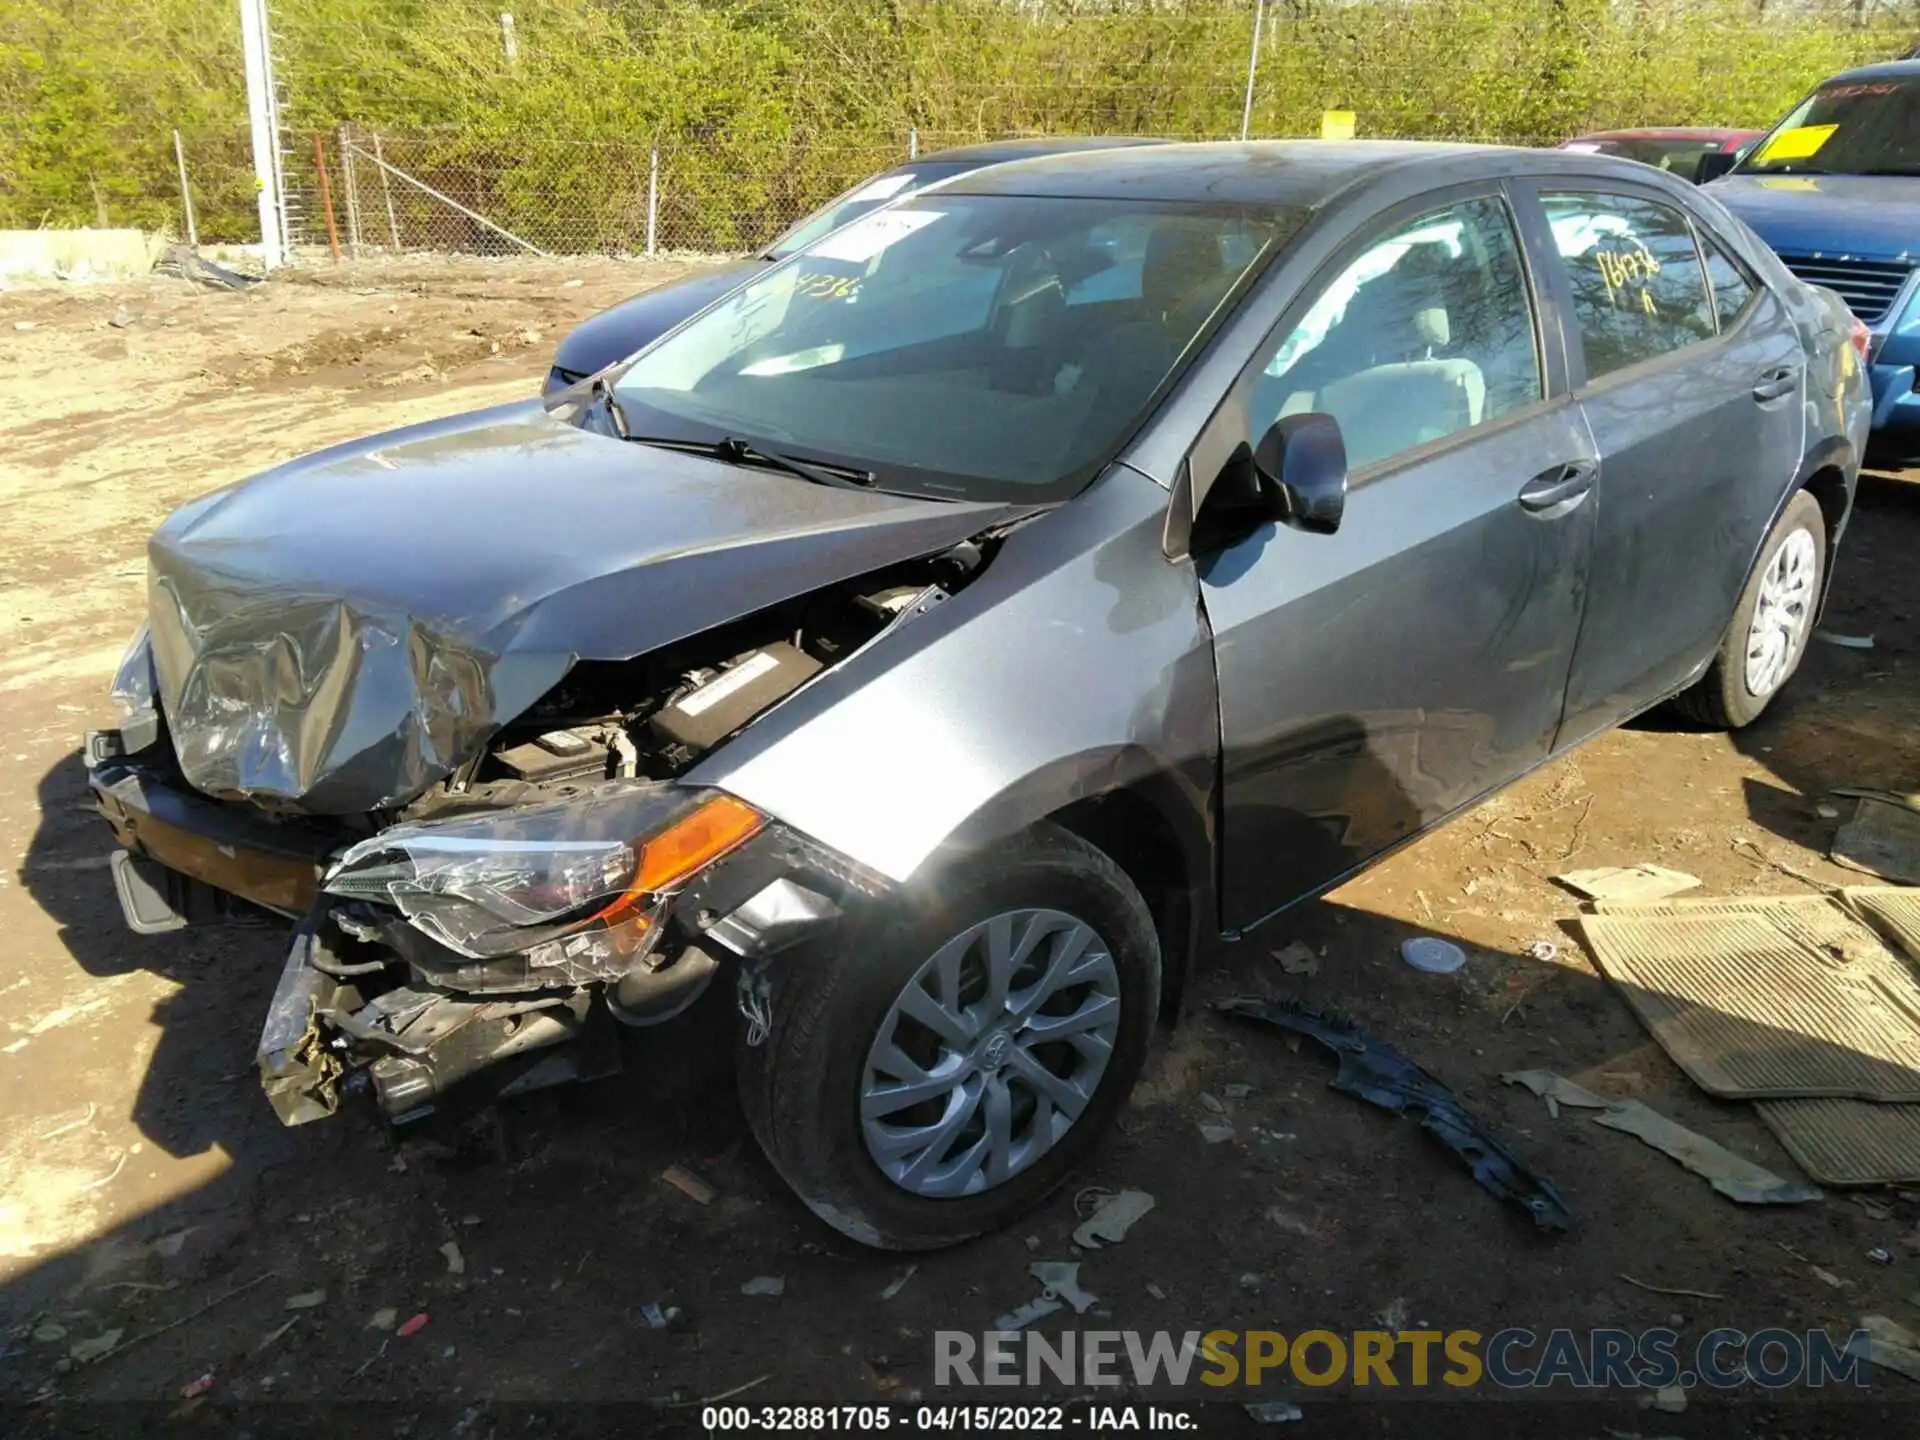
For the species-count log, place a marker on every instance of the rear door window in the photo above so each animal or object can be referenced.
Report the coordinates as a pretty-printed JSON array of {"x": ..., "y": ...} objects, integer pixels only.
[
  {"x": 1733, "y": 288},
  {"x": 1639, "y": 290}
]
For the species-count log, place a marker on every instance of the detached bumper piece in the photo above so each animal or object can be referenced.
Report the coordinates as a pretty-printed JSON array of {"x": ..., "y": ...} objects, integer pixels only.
[
  {"x": 1384, "y": 1077},
  {"x": 422, "y": 1049}
]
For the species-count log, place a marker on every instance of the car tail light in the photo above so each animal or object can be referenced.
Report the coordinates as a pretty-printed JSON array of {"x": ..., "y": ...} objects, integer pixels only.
[{"x": 1860, "y": 338}]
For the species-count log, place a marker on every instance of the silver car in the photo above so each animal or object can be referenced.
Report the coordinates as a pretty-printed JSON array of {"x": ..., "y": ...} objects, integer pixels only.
[{"x": 926, "y": 647}]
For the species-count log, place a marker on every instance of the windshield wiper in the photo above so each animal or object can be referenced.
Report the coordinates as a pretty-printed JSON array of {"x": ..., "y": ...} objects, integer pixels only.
[
  {"x": 605, "y": 393},
  {"x": 732, "y": 450}
]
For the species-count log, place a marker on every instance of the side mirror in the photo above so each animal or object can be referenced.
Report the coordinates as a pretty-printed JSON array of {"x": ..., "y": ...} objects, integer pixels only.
[
  {"x": 1296, "y": 475},
  {"x": 1713, "y": 165},
  {"x": 1301, "y": 463}
]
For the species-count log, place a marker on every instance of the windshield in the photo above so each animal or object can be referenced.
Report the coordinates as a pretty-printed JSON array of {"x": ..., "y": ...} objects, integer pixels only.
[
  {"x": 1855, "y": 127},
  {"x": 867, "y": 195},
  {"x": 964, "y": 346}
]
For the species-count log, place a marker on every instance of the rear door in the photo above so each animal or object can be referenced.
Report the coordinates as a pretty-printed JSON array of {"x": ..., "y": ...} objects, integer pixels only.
[
  {"x": 1694, "y": 393},
  {"x": 1377, "y": 678}
]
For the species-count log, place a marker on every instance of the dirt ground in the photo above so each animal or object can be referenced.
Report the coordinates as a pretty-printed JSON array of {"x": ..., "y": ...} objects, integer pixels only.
[{"x": 147, "y": 1190}]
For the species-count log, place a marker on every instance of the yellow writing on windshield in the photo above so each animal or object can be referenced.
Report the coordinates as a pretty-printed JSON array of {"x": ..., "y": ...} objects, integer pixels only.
[
  {"x": 1799, "y": 143},
  {"x": 818, "y": 286}
]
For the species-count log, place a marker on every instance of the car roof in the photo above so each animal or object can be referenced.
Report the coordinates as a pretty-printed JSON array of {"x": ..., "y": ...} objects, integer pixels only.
[
  {"x": 1668, "y": 132},
  {"x": 1301, "y": 173},
  {"x": 995, "y": 152},
  {"x": 1887, "y": 70}
]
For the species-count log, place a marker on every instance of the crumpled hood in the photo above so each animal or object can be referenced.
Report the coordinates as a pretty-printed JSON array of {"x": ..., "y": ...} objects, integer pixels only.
[
  {"x": 338, "y": 634},
  {"x": 1871, "y": 216}
]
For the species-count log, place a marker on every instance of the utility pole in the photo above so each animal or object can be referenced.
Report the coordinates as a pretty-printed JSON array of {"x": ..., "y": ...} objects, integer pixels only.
[
  {"x": 266, "y": 167},
  {"x": 1253, "y": 67}
]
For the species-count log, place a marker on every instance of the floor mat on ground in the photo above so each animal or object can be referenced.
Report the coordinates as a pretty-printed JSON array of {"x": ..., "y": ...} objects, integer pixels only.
[
  {"x": 1848, "y": 1142},
  {"x": 1882, "y": 838},
  {"x": 1893, "y": 911},
  {"x": 1774, "y": 997}
]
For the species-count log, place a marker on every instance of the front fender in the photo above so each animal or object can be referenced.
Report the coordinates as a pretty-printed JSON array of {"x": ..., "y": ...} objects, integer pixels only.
[{"x": 1078, "y": 663}]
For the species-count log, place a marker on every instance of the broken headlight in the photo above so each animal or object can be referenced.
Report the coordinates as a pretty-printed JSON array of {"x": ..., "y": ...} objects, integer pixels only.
[
  {"x": 133, "y": 685},
  {"x": 556, "y": 881}
]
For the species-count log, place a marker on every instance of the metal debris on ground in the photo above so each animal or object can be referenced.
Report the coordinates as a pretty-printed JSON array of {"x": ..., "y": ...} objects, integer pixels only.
[
  {"x": 689, "y": 1184},
  {"x": 184, "y": 264},
  {"x": 1628, "y": 884},
  {"x": 1382, "y": 1076},
  {"x": 1298, "y": 958},
  {"x": 1733, "y": 1176},
  {"x": 1272, "y": 1412},
  {"x": 1887, "y": 1343},
  {"x": 1109, "y": 1224},
  {"x": 1061, "y": 1279},
  {"x": 1880, "y": 1255},
  {"x": 413, "y": 1325},
  {"x": 765, "y": 1285},
  {"x": 384, "y": 1318},
  {"x": 1036, "y": 1309},
  {"x": 307, "y": 1300},
  {"x": 1292, "y": 1224},
  {"x": 1845, "y": 642},
  {"x": 1671, "y": 1289},
  {"x": 456, "y": 1262},
  {"x": 899, "y": 1282},
  {"x": 83, "y": 1352},
  {"x": 1432, "y": 955}
]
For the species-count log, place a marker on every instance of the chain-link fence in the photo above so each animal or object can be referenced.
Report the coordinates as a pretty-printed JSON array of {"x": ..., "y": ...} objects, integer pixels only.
[{"x": 396, "y": 193}]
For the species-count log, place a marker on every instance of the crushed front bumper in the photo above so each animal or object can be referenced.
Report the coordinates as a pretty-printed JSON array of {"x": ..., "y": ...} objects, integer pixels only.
[{"x": 365, "y": 1000}]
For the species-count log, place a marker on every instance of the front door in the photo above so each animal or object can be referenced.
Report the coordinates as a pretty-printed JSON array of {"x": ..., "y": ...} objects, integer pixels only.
[
  {"x": 1695, "y": 395},
  {"x": 1377, "y": 678}
]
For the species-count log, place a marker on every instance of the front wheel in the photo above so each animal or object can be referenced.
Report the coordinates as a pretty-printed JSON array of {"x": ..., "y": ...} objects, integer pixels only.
[
  {"x": 1771, "y": 624},
  {"x": 945, "y": 1063}
]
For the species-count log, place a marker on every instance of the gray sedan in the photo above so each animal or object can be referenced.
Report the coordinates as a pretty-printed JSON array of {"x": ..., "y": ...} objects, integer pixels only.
[{"x": 926, "y": 648}]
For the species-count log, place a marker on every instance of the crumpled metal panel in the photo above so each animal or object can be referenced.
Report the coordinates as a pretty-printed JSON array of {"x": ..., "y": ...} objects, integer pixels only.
[{"x": 336, "y": 635}]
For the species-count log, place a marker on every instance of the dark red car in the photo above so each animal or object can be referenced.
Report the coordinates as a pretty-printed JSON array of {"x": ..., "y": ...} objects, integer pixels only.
[{"x": 1676, "y": 149}]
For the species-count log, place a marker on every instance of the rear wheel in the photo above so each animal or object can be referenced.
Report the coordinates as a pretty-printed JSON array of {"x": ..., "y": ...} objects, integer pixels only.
[
  {"x": 946, "y": 1063},
  {"x": 1771, "y": 625}
]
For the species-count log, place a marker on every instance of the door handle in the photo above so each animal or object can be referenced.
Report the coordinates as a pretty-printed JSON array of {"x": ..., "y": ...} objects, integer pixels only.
[
  {"x": 1559, "y": 484},
  {"x": 1775, "y": 383}
]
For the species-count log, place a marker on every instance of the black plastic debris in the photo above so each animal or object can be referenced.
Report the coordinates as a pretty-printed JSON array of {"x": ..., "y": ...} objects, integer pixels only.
[
  {"x": 1384, "y": 1077},
  {"x": 185, "y": 264}
]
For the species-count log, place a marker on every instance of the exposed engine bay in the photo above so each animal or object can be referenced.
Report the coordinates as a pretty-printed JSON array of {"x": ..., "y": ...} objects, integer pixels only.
[
  {"x": 655, "y": 716},
  {"x": 461, "y": 945}
]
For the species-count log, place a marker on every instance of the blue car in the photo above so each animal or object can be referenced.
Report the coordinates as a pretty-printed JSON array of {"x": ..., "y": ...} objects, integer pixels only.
[
  {"x": 1834, "y": 189},
  {"x": 616, "y": 333}
]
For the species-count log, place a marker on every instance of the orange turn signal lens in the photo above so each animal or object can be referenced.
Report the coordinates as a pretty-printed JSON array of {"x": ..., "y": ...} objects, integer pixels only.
[{"x": 693, "y": 841}]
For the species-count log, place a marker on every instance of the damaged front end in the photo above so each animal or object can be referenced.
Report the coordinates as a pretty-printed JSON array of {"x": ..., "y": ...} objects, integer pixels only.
[
  {"x": 489, "y": 955},
  {"x": 486, "y": 937}
]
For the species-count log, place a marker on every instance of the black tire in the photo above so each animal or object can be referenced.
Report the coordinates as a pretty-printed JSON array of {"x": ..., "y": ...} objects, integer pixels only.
[
  {"x": 801, "y": 1088},
  {"x": 1720, "y": 699}
]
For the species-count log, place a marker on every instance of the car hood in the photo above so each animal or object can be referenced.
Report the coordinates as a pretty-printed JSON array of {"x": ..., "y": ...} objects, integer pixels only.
[
  {"x": 338, "y": 634},
  {"x": 614, "y": 334},
  {"x": 1871, "y": 216}
]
